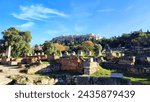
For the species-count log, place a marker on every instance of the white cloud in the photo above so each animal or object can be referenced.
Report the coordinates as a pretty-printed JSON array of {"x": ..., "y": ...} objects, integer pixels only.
[
  {"x": 27, "y": 25},
  {"x": 37, "y": 12}
]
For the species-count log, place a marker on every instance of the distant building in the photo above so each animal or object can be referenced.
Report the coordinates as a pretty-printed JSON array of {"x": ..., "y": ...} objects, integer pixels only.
[{"x": 78, "y": 38}]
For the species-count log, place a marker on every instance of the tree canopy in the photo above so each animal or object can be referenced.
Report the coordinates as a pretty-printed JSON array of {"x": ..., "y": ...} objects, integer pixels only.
[
  {"x": 136, "y": 38},
  {"x": 18, "y": 40},
  {"x": 49, "y": 48}
]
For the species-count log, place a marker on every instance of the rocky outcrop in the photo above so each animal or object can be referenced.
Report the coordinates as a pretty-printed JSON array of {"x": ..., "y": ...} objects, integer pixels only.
[
  {"x": 5, "y": 81},
  {"x": 68, "y": 80},
  {"x": 49, "y": 69},
  {"x": 88, "y": 80},
  {"x": 33, "y": 70}
]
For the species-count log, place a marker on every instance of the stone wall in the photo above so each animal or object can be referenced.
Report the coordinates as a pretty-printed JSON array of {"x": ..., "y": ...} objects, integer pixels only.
[
  {"x": 133, "y": 69},
  {"x": 88, "y": 80},
  {"x": 90, "y": 67},
  {"x": 71, "y": 63},
  {"x": 29, "y": 60},
  {"x": 52, "y": 57},
  {"x": 69, "y": 80},
  {"x": 110, "y": 65}
]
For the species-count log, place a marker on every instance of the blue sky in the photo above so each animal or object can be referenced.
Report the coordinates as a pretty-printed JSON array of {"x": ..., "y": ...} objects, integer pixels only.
[{"x": 51, "y": 18}]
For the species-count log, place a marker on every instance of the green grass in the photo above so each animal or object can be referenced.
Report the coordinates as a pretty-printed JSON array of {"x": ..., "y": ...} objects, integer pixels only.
[
  {"x": 135, "y": 79},
  {"x": 102, "y": 72},
  {"x": 138, "y": 80}
]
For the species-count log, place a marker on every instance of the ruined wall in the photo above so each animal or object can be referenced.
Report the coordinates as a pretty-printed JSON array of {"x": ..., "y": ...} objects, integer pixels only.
[
  {"x": 71, "y": 64},
  {"x": 5, "y": 61},
  {"x": 90, "y": 67},
  {"x": 115, "y": 66},
  {"x": 88, "y": 80},
  {"x": 53, "y": 57},
  {"x": 133, "y": 69},
  {"x": 70, "y": 80}
]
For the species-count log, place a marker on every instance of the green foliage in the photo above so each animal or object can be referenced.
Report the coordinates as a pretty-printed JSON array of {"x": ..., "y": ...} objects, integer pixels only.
[
  {"x": 102, "y": 72},
  {"x": 97, "y": 47},
  {"x": 50, "y": 49},
  {"x": 18, "y": 40},
  {"x": 136, "y": 38},
  {"x": 86, "y": 46}
]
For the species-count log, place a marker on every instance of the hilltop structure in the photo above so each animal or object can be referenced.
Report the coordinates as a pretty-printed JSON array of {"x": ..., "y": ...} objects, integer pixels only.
[{"x": 78, "y": 38}]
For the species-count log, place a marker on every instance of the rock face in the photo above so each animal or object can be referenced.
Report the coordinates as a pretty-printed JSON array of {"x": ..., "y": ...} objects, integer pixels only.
[
  {"x": 68, "y": 80},
  {"x": 5, "y": 81},
  {"x": 37, "y": 68},
  {"x": 78, "y": 38},
  {"x": 87, "y": 80},
  {"x": 49, "y": 69}
]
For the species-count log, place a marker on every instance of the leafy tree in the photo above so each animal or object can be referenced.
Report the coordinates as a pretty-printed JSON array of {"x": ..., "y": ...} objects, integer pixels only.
[
  {"x": 87, "y": 46},
  {"x": 49, "y": 48},
  {"x": 60, "y": 47},
  {"x": 97, "y": 47},
  {"x": 18, "y": 40},
  {"x": 128, "y": 40}
]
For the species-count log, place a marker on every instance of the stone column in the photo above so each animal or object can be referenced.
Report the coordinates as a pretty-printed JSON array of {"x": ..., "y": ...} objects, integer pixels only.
[{"x": 8, "y": 52}]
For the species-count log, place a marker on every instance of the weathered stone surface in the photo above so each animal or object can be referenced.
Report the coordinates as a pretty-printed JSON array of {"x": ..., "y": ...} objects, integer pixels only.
[
  {"x": 45, "y": 81},
  {"x": 84, "y": 80},
  {"x": 52, "y": 81},
  {"x": 53, "y": 57},
  {"x": 5, "y": 61},
  {"x": 49, "y": 69},
  {"x": 13, "y": 63},
  {"x": 4, "y": 80},
  {"x": 110, "y": 81},
  {"x": 33, "y": 70},
  {"x": 90, "y": 67},
  {"x": 71, "y": 63},
  {"x": 88, "y": 80}
]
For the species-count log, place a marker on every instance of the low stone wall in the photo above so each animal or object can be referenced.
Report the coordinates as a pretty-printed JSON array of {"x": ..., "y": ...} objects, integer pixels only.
[
  {"x": 5, "y": 61},
  {"x": 88, "y": 80},
  {"x": 73, "y": 64},
  {"x": 69, "y": 80},
  {"x": 133, "y": 69},
  {"x": 108, "y": 65},
  {"x": 90, "y": 67}
]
